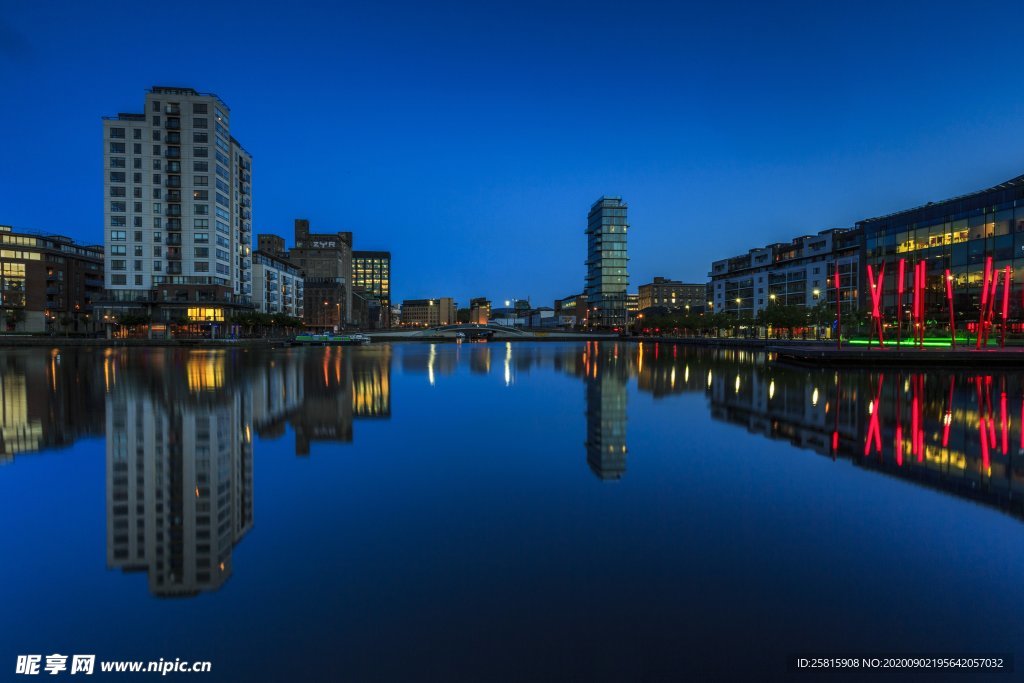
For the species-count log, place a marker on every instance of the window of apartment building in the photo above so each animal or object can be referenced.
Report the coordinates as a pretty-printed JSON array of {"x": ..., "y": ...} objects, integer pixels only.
[
  {"x": 138, "y": 235},
  {"x": 201, "y": 267},
  {"x": 117, "y": 280},
  {"x": 118, "y": 250},
  {"x": 117, "y": 133},
  {"x": 198, "y": 107},
  {"x": 117, "y": 264},
  {"x": 158, "y": 223},
  {"x": 156, "y": 178},
  {"x": 117, "y": 176},
  {"x": 137, "y": 192},
  {"x": 116, "y": 162},
  {"x": 137, "y": 178},
  {"x": 156, "y": 120},
  {"x": 200, "y": 122},
  {"x": 116, "y": 191},
  {"x": 138, "y": 250},
  {"x": 157, "y": 208},
  {"x": 201, "y": 237},
  {"x": 137, "y": 207},
  {"x": 137, "y": 148},
  {"x": 158, "y": 266},
  {"x": 203, "y": 195},
  {"x": 201, "y": 180},
  {"x": 138, "y": 280},
  {"x": 156, "y": 136},
  {"x": 200, "y": 166},
  {"x": 201, "y": 152},
  {"x": 117, "y": 148},
  {"x": 137, "y": 222},
  {"x": 137, "y": 162},
  {"x": 158, "y": 251},
  {"x": 201, "y": 209},
  {"x": 138, "y": 265},
  {"x": 118, "y": 222},
  {"x": 200, "y": 222},
  {"x": 118, "y": 235},
  {"x": 200, "y": 136},
  {"x": 156, "y": 150},
  {"x": 202, "y": 252},
  {"x": 137, "y": 134},
  {"x": 158, "y": 237},
  {"x": 156, "y": 106}
]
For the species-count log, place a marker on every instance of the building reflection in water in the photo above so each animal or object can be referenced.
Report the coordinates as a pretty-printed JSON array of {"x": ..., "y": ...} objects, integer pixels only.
[
  {"x": 180, "y": 428},
  {"x": 179, "y": 473},
  {"x": 48, "y": 400},
  {"x": 605, "y": 375},
  {"x": 180, "y": 423}
]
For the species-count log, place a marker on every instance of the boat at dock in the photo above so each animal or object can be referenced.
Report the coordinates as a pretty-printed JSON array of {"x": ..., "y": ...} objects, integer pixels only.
[{"x": 330, "y": 339}]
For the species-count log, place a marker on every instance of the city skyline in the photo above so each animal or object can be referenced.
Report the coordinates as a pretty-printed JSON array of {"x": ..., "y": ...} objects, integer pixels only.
[{"x": 811, "y": 144}]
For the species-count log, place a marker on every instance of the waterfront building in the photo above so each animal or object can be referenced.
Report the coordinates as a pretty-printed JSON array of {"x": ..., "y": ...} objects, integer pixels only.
[
  {"x": 371, "y": 271},
  {"x": 326, "y": 261},
  {"x": 48, "y": 283},
  {"x": 607, "y": 277},
  {"x": 429, "y": 312},
  {"x": 673, "y": 294},
  {"x": 177, "y": 210},
  {"x": 479, "y": 311},
  {"x": 959, "y": 234},
  {"x": 797, "y": 273},
  {"x": 277, "y": 284}
]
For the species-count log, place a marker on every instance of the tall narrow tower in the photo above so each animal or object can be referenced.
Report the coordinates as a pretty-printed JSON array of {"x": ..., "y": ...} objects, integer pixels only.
[{"x": 607, "y": 278}]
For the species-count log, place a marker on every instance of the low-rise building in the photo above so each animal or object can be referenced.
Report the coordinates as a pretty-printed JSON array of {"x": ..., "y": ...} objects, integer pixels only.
[
  {"x": 429, "y": 312},
  {"x": 48, "y": 283},
  {"x": 673, "y": 294},
  {"x": 797, "y": 273},
  {"x": 572, "y": 310}
]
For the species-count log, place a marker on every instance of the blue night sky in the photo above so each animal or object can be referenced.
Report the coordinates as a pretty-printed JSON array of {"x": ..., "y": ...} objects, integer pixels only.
[{"x": 471, "y": 138}]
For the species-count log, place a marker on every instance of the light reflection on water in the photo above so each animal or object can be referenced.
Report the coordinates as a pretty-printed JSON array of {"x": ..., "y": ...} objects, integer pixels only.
[{"x": 185, "y": 430}]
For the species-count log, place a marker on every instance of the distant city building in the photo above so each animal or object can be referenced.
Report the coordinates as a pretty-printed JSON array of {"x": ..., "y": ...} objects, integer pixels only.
[
  {"x": 177, "y": 210},
  {"x": 572, "y": 310},
  {"x": 673, "y": 294},
  {"x": 632, "y": 305},
  {"x": 277, "y": 284},
  {"x": 48, "y": 283},
  {"x": 479, "y": 311},
  {"x": 428, "y": 312},
  {"x": 371, "y": 271},
  {"x": 326, "y": 262},
  {"x": 607, "y": 277},
  {"x": 543, "y": 317},
  {"x": 797, "y": 273}
]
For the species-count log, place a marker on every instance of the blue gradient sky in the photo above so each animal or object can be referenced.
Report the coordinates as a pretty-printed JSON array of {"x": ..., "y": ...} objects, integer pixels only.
[{"x": 471, "y": 138}]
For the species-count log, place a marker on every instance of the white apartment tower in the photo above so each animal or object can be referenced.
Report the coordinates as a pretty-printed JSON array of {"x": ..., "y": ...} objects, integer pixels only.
[{"x": 177, "y": 209}]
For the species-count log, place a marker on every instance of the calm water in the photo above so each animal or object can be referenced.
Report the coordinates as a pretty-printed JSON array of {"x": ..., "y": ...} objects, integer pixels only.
[{"x": 489, "y": 512}]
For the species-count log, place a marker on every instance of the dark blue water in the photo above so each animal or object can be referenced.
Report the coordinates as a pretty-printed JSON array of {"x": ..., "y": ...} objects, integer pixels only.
[{"x": 549, "y": 511}]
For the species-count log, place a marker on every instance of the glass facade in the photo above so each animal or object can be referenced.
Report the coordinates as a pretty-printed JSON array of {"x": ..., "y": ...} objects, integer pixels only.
[
  {"x": 607, "y": 278},
  {"x": 959, "y": 234},
  {"x": 371, "y": 271}
]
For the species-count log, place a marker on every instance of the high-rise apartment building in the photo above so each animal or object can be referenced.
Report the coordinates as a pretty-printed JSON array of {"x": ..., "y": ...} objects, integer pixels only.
[
  {"x": 177, "y": 209},
  {"x": 607, "y": 278},
  {"x": 479, "y": 311},
  {"x": 429, "y": 312},
  {"x": 371, "y": 272}
]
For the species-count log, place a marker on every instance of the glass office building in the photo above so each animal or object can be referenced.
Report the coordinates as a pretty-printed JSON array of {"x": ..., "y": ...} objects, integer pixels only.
[
  {"x": 958, "y": 234},
  {"x": 607, "y": 278}
]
